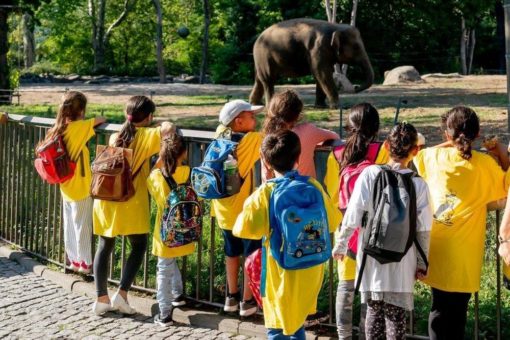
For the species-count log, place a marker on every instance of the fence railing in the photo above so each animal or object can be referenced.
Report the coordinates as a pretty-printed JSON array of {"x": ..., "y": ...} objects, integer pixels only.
[{"x": 31, "y": 218}]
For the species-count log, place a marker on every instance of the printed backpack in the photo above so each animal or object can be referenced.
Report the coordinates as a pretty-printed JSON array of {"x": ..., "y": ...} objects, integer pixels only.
[
  {"x": 181, "y": 223},
  {"x": 348, "y": 177},
  {"x": 112, "y": 179},
  {"x": 209, "y": 179},
  {"x": 300, "y": 236},
  {"x": 53, "y": 163},
  {"x": 389, "y": 226}
]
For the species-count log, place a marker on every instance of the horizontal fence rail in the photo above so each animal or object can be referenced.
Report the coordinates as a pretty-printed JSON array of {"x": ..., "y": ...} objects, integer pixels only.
[{"x": 31, "y": 218}]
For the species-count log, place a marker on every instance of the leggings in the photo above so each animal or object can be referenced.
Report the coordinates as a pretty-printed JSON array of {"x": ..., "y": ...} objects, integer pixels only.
[
  {"x": 448, "y": 314},
  {"x": 385, "y": 321},
  {"x": 134, "y": 260}
]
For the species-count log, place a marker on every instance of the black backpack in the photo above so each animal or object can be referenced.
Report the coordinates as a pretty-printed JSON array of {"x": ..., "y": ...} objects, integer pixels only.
[{"x": 389, "y": 226}]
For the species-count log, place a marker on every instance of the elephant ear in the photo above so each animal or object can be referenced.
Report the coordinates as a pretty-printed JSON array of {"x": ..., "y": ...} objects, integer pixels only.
[{"x": 342, "y": 45}]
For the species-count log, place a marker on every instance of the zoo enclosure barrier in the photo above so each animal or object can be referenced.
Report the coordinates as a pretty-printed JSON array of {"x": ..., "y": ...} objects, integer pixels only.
[{"x": 31, "y": 219}]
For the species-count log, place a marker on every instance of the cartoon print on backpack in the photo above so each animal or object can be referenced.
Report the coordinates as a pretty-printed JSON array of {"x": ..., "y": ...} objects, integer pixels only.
[
  {"x": 309, "y": 240},
  {"x": 445, "y": 211}
]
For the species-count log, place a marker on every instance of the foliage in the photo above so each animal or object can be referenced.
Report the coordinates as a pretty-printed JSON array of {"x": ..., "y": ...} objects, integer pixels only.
[{"x": 424, "y": 33}]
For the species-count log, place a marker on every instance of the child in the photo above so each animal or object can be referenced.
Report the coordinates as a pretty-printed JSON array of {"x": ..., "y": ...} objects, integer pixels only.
[
  {"x": 170, "y": 290},
  {"x": 77, "y": 204},
  {"x": 238, "y": 116},
  {"x": 361, "y": 145},
  {"x": 462, "y": 181},
  {"x": 290, "y": 295},
  {"x": 388, "y": 288},
  {"x": 132, "y": 217},
  {"x": 284, "y": 112}
]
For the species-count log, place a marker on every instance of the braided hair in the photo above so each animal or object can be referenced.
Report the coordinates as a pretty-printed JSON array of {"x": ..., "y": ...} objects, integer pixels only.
[
  {"x": 463, "y": 126},
  {"x": 402, "y": 138},
  {"x": 172, "y": 147}
]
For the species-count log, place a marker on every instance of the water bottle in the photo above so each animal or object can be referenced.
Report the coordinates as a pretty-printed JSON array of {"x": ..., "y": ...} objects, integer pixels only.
[{"x": 232, "y": 178}]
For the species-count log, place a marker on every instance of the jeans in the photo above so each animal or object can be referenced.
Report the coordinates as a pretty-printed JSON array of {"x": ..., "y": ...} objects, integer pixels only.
[
  {"x": 277, "y": 334},
  {"x": 344, "y": 307},
  {"x": 169, "y": 283}
]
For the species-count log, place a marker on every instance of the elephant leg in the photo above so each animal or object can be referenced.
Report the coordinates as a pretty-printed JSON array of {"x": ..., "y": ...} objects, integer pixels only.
[
  {"x": 257, "y": 92},
  {"x": 320, "y": 96},
  {"x": 325, "y": 81},
  {"x": 268, "y": 90}
]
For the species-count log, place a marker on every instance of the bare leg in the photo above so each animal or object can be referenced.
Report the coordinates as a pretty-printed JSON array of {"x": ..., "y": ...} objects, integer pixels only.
[
  {"x": 247, "y": 294},
  {"x": 232, "y": 265}
]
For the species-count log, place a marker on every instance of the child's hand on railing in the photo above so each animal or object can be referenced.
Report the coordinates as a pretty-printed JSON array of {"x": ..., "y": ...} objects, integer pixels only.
[{"x": 4, "y": 117}]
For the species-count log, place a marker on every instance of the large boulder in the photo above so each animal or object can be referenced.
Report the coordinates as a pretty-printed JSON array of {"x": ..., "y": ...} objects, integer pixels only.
[{"x": 401, "y": 74}]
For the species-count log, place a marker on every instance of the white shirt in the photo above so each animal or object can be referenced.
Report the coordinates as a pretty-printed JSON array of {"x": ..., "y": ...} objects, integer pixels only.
[{"x": 396, "y": 277}]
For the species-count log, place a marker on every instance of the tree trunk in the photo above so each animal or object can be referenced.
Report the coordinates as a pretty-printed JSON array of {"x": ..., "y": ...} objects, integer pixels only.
[
  {"x": 471, "y": 50},
  {"x": 159, "y": 41},
  {"x": 500, "y": 35},
  {"x": 354, "y": 13},
  {"x": 463, "y": 42},
  {"x": 205, "y": 42},
  {"x": 100, "y": 36},
  {"x": 28, "y": 40},
  {"x": 4, "y": 48}
]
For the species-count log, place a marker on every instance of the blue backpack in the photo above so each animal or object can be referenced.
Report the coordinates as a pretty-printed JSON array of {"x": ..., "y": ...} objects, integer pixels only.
[
  {"x": 208, "y": 179},
  {"x": 300, "y": 232}
]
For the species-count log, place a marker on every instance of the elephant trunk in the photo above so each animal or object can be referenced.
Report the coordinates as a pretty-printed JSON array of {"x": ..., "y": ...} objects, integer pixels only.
[{"x": 369, "y": 73}]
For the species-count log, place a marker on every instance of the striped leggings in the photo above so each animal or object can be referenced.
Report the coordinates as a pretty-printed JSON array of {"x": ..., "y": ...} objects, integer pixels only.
[{"x": 78, "y": 232}]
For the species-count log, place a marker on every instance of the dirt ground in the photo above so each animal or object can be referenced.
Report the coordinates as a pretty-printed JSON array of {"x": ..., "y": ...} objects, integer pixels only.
[{"x": 421, "y": 103}]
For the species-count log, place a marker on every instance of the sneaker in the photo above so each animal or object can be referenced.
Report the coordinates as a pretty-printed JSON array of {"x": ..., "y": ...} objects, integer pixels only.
[
  {"x": 74, "y": 266},
  {"x": 100, "y": 308},
  {"x": 231, "y": 303},
  {"x": 121, "y": 305},
  {"x": 163, "y": 321},
  {"x": 179, "y": 301},
  {"x": 248, "y": 308},
  {"x": 84, "y": 269}
]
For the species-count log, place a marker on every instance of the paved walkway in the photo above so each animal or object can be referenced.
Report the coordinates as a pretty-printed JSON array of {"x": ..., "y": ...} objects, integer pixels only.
[{"x": 32, "y": 307}]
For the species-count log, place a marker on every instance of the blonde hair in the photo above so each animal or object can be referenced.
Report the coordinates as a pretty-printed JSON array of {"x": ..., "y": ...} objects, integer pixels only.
[{"x": 71, "y": 108}]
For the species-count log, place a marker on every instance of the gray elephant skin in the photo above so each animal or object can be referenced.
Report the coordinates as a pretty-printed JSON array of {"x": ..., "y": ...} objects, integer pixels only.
[{"x": 300, "y": 47}]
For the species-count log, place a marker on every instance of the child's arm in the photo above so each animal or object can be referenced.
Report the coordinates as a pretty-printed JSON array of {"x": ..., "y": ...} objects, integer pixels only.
[
  {"x": 253, "y": 222},
  {"x": 424, "y": 217},
  {"x": 99, "y": 120},
  {"x": 500, "y": 153},
  {"x": 4, "y": 117}
]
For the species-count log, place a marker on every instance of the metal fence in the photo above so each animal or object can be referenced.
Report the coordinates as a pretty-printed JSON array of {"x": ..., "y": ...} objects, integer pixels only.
[{"x": 31, "y": 216}]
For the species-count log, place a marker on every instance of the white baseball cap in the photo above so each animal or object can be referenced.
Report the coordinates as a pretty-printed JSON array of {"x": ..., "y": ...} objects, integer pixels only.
[
  {"x": 421, "y": 139},
  {"x": 233, "y": 108}
]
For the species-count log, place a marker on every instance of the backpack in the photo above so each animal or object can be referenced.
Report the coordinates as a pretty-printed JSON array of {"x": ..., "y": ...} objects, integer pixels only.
[
  {"x": 111, "y": 174},
  {"x": 253, "y": 266},
  {"x": 53, "y": 163},
  {"x": 348, "y": 177},
  {"x": 389, "y": 226},
  {"x": 300, "y": 234},
  {"x": 181, "y": 223},
  {"x": 209, "y": 180}
]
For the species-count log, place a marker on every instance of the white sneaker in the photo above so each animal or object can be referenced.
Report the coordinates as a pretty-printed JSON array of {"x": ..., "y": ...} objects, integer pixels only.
[
  {"x": 100, "y": 308},
  {"x": 83, "y": 270},
  {"x": 121, "y": 305}
]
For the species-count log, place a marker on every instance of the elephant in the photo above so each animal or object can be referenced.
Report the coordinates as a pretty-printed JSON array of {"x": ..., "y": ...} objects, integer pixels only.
[{"x": 299, "y": 47}]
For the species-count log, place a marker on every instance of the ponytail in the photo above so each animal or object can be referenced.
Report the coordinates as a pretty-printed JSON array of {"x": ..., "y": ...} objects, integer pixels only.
[
  {"x": 283, "y": 112},
  {"x": 463, "y": 125},
  {"x": 138, "y": 108},
  {"x": 363, "y": 126},
  {"x": 172, "y": 147}
]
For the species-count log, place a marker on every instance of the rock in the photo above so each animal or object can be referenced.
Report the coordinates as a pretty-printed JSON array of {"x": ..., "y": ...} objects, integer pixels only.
[
  {"x": 191, "y": 80},
  {"x": 73, "y": 77},
  {"x": 401, "y": 74},
  {"x": 442, "y": 75},
  {"x": 92, "y": 82},
  {"x": 343, "y": 83}
]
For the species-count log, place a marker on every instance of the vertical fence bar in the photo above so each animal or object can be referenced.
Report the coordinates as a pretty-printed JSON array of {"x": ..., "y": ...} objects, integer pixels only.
[
  {"x": 199, "y": 263},
  {"x": 26, "y": 194},
  {"x": 211, "y": 261},
  {"x": 15, "y": 176},
  {"x": 34, "y": 199},
  {"x": 39, "y": 204},
  {"x": 498, "y": 281},
  {"x": 477, "y": 319},
  {"x": 3, "y": 206},
  {"x": 55, "y": 228}
]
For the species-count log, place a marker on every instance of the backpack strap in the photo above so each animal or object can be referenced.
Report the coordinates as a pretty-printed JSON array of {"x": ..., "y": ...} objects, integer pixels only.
[
  {"x": 170, "y": 181},
  {"x": 421, "y": 252},
  {"x": 359, "y": 276}
]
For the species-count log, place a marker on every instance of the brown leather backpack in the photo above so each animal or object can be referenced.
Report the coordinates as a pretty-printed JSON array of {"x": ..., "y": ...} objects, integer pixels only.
[{"x": 112, "y": 179}]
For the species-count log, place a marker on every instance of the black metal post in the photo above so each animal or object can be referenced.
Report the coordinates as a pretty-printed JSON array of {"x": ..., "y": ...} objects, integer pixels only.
[{"x": 506, "y": 7}]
